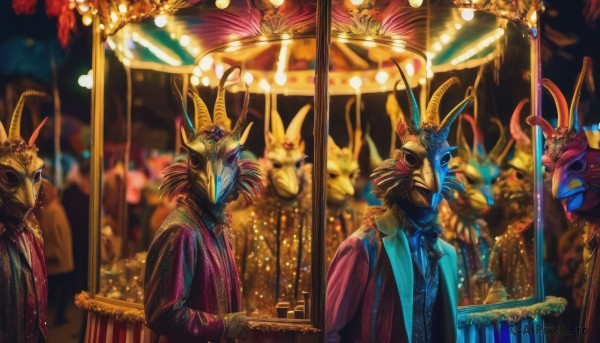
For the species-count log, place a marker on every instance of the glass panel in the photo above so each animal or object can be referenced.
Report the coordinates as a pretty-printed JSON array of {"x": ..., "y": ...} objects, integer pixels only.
[{"x": 490, "y": 223}]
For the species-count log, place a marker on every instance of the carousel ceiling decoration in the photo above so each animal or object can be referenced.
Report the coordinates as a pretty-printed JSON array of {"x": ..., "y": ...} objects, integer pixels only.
[
  {"x": 525, "y": 12},
  {"x": 274, "y": 40}
]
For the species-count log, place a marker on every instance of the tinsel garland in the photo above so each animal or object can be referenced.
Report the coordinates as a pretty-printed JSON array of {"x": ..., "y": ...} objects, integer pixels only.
[
  {"x": 122, "y": 314},
  {"x": 132, "y": 315},
  {"x": 550, "y": 306}
]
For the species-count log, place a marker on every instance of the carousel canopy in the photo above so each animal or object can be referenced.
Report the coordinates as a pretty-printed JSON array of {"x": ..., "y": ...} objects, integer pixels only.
[{"x": 274, "y": 42}]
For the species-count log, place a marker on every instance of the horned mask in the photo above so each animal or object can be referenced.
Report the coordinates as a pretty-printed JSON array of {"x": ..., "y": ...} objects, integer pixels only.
[
  {"x": 573, "y": 165},
  {"x": 212, "y": 172},
  {"x": 20, "y": 166},
  {"x": 478, "y": 170},
  {"x": 284, "y": 154},
  {"x": 342, "y": 163},
  {"x": 418, "y": 173}
]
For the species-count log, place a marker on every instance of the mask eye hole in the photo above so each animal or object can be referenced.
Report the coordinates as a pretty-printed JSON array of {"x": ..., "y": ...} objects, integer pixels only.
[
  {"x": 277, "y": 165},
  {"x": 298, "y": 164},
  {"x": 470, "y": 180},
  {"x": 232, "y": 158},
  {"x": 577, "y": 166},
  {"x": 519, "y": 174},
  {"x": 11, "y": 179},
  {"x": 37, "y": 177},
  {"x": 332, "y": 176},
  {"x": 547, "y": 169},
  {"x": 445, "y": 159},
  {"x": 196, "y": 161},
  {"x": 410, "y": 159}
]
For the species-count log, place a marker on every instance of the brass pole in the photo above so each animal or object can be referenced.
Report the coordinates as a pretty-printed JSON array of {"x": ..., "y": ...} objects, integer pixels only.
[
  {"x": 96, "y": 156},
  {"x": 538, "y": 177},
  {"x": 321, "y": 131}
]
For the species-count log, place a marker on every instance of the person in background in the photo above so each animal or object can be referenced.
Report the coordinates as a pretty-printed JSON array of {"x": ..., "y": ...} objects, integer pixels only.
[
  {"x": 75, "y": 200},
  {"x": 58, "y": 249}
]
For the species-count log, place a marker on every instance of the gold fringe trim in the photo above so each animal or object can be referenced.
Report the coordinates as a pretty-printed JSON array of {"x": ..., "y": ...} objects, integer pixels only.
[
  {"x": 280, "y": 327},
  {"x": 119, "y": 313},
  {"x": 550, "y": 306}
]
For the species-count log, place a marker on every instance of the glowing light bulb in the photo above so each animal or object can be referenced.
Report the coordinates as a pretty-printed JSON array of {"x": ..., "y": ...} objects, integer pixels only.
[
  {"x": 123, "y": 8},
  {"x": 437, "y": 46},
  {"x": 219, "y": 70},
  {"x": 194, "y": 80},
  {"x": 415, "y": 3},
  {"x": 197, "y": 71},
  {"x": 205, "y": 81},
  {"x": 206, "y": 63},
  {"x": 355, "y": 82},
  {"x": 458, "y": 26},
  {"x": 467, "y": 14},
  {"x": 184, "y": 40},
  {"x": 276, "y": 3},
  {"x": 126, "y": 62},
  {"x": 160, "y": 20},
  {"x": 410, "y": 69},
  {"x": 445, "y": 38},
  {"x": 222, "y": 4},
  {"x": 248, "y": 78},
  {"x": 357, "y": 2},
  {"x": 280, "y": 78},
  {"x": 264, "y": 85},
  {"x": 113, "y": 16},
  {"x": 86, "y": 19},
  {"x": 381, "y": 77}
]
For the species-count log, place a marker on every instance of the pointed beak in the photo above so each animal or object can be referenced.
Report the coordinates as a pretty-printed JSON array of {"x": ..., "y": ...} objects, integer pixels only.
[
  {"x": 488, "y": 194},
  {"x": 564, "y": 186},
  {"x": 29, "y": 194},
  {"x": 214, "y": 185},
  {"x": 429, "y": 178},
  {"x": 286, "y": 182},
  {"x": 340, "y": 189}
]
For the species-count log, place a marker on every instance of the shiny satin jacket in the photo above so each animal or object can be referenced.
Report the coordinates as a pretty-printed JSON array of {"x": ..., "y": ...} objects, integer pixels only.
[
  {"x": 23, "y": 295},
  {"x": 191, "y": 280},
  {"x": 370, "y": 287}
]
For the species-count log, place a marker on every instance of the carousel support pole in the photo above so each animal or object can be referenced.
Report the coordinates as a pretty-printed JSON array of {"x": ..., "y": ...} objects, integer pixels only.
[
  {"x": 538, "y": 177},
  {"x": 126, "y": 158},
  {"x": 96, "y": 156},
  {"x": 57, "y": 125},
  {"x": 321, "y": 131}
]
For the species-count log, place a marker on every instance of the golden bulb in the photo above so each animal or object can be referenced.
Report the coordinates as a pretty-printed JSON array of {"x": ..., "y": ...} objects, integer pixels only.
[
  {"x": 276, "y": 3},
  {"x": 222, "y": 4},
  {"x": 86, "y": 19},
  {"x": 415, "y": 3}
]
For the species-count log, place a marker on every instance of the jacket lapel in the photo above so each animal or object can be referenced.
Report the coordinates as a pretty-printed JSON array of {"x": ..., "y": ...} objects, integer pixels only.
[
  {"x": 398, "y": 251},
  {"x": 448, "y": 287}
]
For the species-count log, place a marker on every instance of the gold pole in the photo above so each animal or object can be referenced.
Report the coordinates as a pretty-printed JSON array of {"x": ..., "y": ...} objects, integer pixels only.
[{"x": 96, "y": 156}]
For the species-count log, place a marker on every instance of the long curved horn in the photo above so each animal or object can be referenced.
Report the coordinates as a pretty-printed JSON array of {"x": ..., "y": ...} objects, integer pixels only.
[
  {"x": 3, "y": 136},
  {"x": 516, "y": 131},
  {"x": 293, "y": 131},
  {"x": 478, "y": 147},
  {"x": 277, "y": 128},
  {"x": 415, "y": 114},
  {"x": 432, "y": 115},
  {"x": 444, "y": 128},
  {"x": 219, "y": 112},
  {"x": 464, "y": 151},
  {"x": 14, "y": 131},
  {"x": 561, "y": 102},
  {"x": 201, "y": 114},
  {"x": 547, "y": 129},
  {"x": 501, "y": 143},
  {"x": 239, "y": 124},
  {"x": 573, "y": 115},
  {"x": 36, "y": 133}
]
